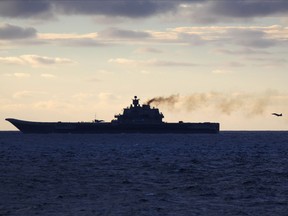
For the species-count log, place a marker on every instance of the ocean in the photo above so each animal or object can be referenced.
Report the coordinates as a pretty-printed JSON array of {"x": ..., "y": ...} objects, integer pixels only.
[{"x": 230, "y": 173}]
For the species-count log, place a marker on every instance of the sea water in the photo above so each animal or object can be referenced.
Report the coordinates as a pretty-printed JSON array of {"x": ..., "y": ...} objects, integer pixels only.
[{"x": 230, "y": 173}]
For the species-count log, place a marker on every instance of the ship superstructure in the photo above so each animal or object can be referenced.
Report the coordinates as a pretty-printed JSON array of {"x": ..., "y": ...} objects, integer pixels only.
[{"x": 137, "y": 114}]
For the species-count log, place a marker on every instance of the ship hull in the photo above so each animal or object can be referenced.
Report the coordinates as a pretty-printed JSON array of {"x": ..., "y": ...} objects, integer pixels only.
[{"x": 105, "y": 127}]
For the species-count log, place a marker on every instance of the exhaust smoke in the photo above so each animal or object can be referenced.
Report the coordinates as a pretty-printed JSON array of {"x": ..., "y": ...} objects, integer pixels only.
[{"x": 250, "y": 104}]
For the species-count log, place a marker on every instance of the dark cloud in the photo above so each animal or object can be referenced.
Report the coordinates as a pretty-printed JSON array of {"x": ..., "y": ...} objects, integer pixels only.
[
  {"x": 25, "y": 8},
  {"x": 205, "y": 11},
  {"x": 120, "y": 8},
  {"x": 122, "y": 33},
  {"x": 248, "y": 8},
  {"x": 10, "y": 32},
  {"x": 127, "y": 8},
  {"x": 213, "y": 11}
]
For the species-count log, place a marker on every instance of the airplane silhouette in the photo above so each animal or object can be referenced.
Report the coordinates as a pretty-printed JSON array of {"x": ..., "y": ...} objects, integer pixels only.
[{"x": 277, "y": 114}]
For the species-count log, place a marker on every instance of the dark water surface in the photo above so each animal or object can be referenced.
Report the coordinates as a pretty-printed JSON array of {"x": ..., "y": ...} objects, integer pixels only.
[{"x": 231, "y": 173}]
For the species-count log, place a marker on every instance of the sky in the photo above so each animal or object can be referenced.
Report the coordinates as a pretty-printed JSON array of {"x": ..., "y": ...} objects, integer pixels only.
[{"x": 207, "y": 60}]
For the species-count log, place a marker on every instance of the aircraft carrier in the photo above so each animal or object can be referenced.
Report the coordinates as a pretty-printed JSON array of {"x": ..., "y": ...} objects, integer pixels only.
[{"x": 134, "y": 119}]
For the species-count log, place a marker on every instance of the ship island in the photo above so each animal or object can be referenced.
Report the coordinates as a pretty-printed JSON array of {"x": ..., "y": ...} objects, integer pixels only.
[{"x": 136, "y": 118}]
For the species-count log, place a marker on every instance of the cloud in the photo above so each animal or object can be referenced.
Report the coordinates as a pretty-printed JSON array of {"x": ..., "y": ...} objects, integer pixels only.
[
  {"x": 151, "y": 62},
  {"x": 11, "y": 60},
  {"x": 81, "y": 42},
  {"x": 250, "y": 38},
  {"x": 106, "y": 37},
  {"x": 89, "y": 39},
  {"x": 124, "y": 8},
  {"x": 248, "y": 8},
  {"x": 25, "y": 9},
  {"x": 17, "y": 75},
  {"x": 208, "y": 11},
  {"x": 148, "y": 50},
  {"x": 243, "y": 51},
  {"x": 43, "y": 60},
  {"x": 11, "y": 32},
  {"x": 245, "y": 36},
  {"x": 61, "y": 36},
  {"x": 34, "y": 60},
  {"x": 213, "y": 11},
  {"x": 101, "y": 38},
  {"x": 21, "y": 75},
  {"x": 124, "y": 34}
]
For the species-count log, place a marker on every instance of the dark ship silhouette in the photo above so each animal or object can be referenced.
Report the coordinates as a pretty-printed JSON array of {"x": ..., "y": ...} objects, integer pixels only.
[{"x": 135, "y": 119}]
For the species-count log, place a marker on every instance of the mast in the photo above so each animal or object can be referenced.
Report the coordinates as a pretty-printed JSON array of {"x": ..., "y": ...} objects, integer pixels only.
[{"x": 135, "y": 101}]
